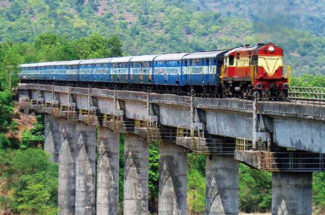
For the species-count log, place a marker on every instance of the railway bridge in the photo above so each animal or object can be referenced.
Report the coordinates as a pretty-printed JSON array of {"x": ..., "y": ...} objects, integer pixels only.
[{"x": 285, "y": 138}]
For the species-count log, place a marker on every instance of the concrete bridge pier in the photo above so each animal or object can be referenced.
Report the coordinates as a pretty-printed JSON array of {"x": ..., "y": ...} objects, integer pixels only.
[
  {"x": 172, "y": 180},
  {"x": 221, "y": 185},
  {"x": 291, "y": 193},
  {"x": 67, "y": 167},
  {"x": 107, "y": 172},
  {"x": 136, "y": 176},
  {"x": 85, "y": 170},
  {"x": 52, "y": 137}
]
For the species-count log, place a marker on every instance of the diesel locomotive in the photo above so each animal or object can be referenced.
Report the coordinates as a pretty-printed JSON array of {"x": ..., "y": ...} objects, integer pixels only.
[{"x": 239, "y": 72}]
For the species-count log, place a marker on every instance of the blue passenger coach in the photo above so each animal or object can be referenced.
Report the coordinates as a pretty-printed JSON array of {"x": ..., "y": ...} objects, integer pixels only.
[
  {"x": 120, "y": 69},
  {"x": 27, "y": 71},
  {"x": 180, "y": 69},
  {"x": 168, "y": 69},
  {"x": 57, "y": 70},
  {"x": 141, "y": 69},
  {"x": 202, "y": 68},
  {"x": 86, "y": 71},
  {"x": 102, "y": 70},
  {"x": 72, "y": 67}
]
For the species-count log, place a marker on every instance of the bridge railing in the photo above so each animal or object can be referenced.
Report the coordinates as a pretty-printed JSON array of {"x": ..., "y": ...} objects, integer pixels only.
[
  {"x": 265, "y": 159},
  {"x": 296, "y": 161},
  {"x": 307, "y": 94},
  {"x": 243, "y": 144}
]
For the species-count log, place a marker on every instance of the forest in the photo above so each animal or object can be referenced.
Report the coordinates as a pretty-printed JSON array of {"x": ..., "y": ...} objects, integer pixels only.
[
  {"x": 160, "y": 26},
  {"x": 28, "y": 180}
]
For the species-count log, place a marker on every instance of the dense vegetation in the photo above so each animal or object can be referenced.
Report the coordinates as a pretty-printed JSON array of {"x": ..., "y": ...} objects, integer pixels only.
[
  {"x": 155, "y": 26},
  {"x": 28, "y": 180},
  {"x": 298, "y": 14}
]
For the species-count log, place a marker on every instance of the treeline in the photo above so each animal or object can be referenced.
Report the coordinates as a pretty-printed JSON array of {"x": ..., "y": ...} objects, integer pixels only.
[
  {"x": 157, "y": 26},
  {"x": 51, "y": 47}
]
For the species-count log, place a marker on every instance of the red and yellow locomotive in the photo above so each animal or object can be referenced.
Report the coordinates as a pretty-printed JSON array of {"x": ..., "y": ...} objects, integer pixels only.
[{"x": 255, "y": 69}]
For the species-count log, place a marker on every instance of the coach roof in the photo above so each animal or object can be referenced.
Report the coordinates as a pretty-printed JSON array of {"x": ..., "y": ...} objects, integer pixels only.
[
  {"x": 201, "y": 55},
  {"x": 89, "y": 61},
  {"x": 143, "y": 58},
  {"x": 121, "y": 59},
  {"x": 43, "y": 64},
  {"x": 103, "y": 60},
  {"x": 170, "y": 57},
  {"x": 69, "y": 63}
]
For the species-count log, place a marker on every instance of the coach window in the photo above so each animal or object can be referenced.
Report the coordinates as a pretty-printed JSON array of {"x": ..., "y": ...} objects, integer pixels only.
[{"x": 231, "y": 60}]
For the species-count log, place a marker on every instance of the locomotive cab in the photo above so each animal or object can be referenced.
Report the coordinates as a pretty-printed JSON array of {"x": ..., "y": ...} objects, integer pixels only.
[{"x": 255, "y": 69}]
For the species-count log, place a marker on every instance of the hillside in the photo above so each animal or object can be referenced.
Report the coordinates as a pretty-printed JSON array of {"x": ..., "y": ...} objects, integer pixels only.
[
  {"x": 297, "y": 14},
  {"x": 176, "y": 26}
]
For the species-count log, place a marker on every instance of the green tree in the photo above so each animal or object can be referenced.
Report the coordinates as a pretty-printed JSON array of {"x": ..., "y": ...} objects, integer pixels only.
[
  {"x": 319, "y": 190},
  {"x": 196, "y": 183},
  {"x": 153, "y": 175},
  {"x": 254, "y": 189},
  {"x": 35, "y": 136},
  {"x": 4, "y": 142},
  {"x": 6, "y": 110},
  {"x": 97, "y": 46},
  {"x": 196, "y": 192},
  {"x": 32, "y": 180},
  {"x": 34, "y": 200},
  {"x": 308, "y": 80}
]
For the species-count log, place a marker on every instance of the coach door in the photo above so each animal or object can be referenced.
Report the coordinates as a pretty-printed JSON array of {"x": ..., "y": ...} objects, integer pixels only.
[
  {"x": 205, "y": 71},
  {"x": 212, "y": 71}
]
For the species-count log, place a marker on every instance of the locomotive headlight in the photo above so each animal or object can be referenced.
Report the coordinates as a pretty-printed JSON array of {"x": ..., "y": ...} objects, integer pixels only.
[
  {"x": 285, "y": 86},
  {"x": 271, "y": 49}
]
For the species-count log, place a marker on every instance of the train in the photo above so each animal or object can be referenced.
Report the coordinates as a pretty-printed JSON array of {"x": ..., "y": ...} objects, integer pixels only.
[{"x": 244, "y": 72}]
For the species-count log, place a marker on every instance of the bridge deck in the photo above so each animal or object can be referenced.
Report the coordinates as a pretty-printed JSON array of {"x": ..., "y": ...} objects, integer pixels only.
[{"x": 297, "y": 125}]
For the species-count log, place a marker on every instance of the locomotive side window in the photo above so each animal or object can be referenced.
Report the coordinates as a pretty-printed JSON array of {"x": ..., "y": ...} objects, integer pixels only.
[{"x": 231, "y": 60}]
